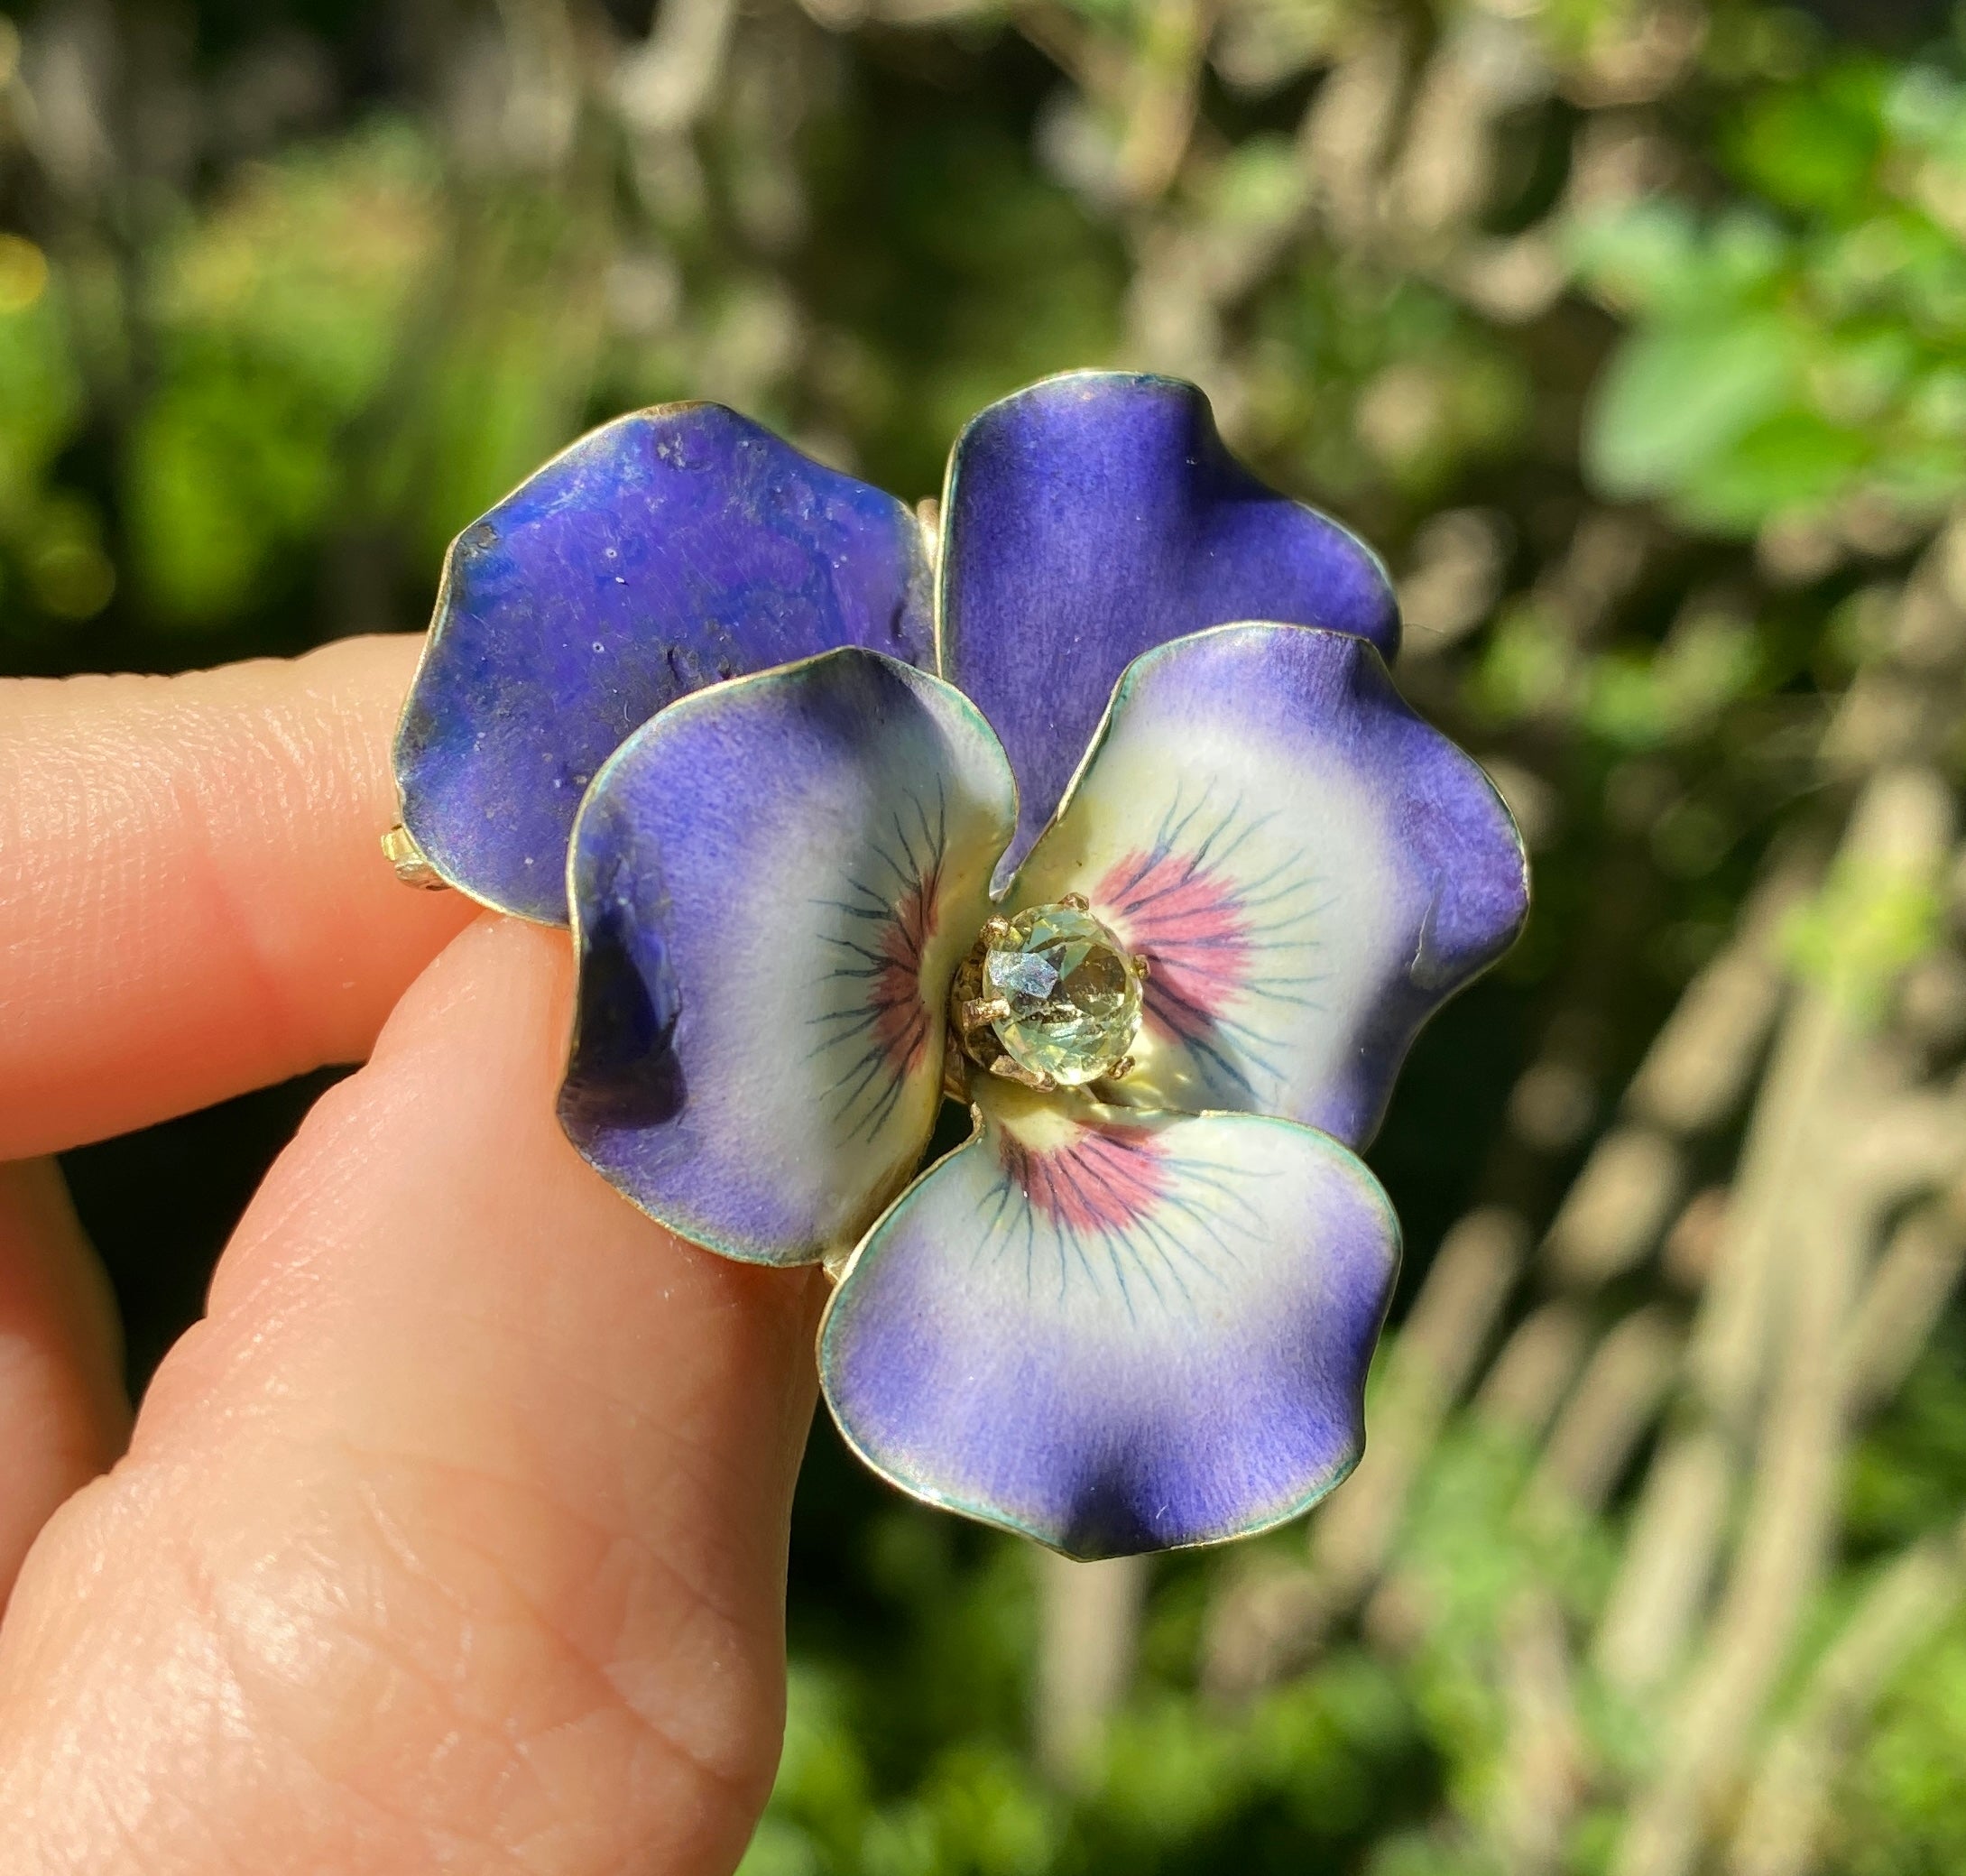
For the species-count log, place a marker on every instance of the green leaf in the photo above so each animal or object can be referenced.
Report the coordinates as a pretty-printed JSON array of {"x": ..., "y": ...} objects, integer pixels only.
[
  {"x": 40, "y": 390},
  {"x": 1794, "y": 460},
  {"x": 1673, "y": 400},
  {"x": 1815, "y": 150}
]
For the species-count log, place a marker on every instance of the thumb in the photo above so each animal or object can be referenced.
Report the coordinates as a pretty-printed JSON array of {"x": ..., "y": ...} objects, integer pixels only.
[{"x": 455, "y": 1535}]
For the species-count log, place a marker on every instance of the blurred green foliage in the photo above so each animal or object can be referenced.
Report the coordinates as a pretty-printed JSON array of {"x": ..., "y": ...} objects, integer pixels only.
[
  {"x": 1801, "y": 345},
  {"x": 276, "y": 321},
  {"x": 1632, "y": 331}
]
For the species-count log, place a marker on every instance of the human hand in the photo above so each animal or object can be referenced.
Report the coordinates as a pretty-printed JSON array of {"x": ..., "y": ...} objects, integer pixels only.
[{"x": 455, "y": 1535}]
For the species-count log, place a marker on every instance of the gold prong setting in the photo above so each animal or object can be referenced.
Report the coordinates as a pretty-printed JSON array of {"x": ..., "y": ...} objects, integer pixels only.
[
  {"x": 412, "y": 867},
  {"x": 1048, "y": 998},
  {"x": 1005, "y": 1069}
]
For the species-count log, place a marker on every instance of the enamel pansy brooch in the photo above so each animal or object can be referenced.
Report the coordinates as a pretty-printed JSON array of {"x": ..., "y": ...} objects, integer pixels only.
[{"x": 1099, "y": 814}]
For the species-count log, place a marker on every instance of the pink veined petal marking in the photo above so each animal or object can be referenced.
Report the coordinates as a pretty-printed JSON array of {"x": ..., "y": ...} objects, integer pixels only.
[
  {"x": 1119, "y": 1210},
  {"x": 877, "y": 1022},
  {"x": 1187, "y": 923},
  {"x": 1104, "y": 1179},
  {"x": 1219, "y": 947},
  {"x": 901, "y": 1015}
]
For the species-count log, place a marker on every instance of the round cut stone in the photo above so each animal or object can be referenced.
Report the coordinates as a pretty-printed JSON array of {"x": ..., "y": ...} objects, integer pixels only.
[{"x": 1074, "y": 993}]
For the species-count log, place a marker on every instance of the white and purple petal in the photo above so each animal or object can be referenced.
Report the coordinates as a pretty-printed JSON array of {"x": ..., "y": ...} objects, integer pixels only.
[
  {"x": 1308, "y": 869},
  {"x": 772, "y": 885},
  {"x": 1113, "y": 1331},
  {"x": 666, "y": 550},
  {"x": 1095, "y": 515}
]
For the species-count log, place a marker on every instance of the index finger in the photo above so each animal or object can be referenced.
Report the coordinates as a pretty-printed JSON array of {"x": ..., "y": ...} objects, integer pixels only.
[{"x": 192, "y": 899}]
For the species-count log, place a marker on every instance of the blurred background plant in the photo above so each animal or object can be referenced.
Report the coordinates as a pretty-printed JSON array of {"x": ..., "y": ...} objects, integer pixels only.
[{"x": 1634, "y": 331}]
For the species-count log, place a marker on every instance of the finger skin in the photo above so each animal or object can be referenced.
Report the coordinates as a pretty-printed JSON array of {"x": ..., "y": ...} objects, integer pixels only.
[
  {"x": 192, "y": 899},
  {"x": 455, "y": 1538},
  {"x": 63, "y": 1413}
]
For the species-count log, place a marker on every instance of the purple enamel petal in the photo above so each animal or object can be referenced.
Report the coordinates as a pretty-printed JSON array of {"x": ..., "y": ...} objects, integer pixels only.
[
  {"x": 1118, "y": 1333},
  {"x": 664, "y": 551},
  {"x": 774, "y": 882},
  {"x": 1308, "y": 869},
  {"x": 1095, "y": 516}
]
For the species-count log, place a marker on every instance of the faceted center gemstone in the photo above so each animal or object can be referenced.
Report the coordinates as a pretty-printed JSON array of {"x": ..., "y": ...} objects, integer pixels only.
[{"x": 1073, "y": 992}]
